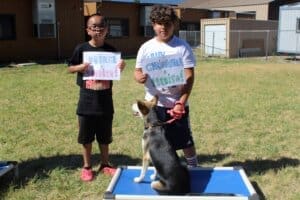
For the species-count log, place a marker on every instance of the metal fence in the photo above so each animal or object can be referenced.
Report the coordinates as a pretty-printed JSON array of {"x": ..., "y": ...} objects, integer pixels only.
[
  {"x": 192, "y": 37},
  {"x": 243, "y": 43}
]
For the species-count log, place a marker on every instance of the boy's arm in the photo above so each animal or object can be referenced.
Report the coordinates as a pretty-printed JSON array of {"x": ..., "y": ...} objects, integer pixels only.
[
  {"x": 187, "y": 88},
  {"x": 78, "y": 68},
  {"x": 178, "y": 109},
  {"x": 121, "y": 64},
  {"x": 139, "y": 76}
]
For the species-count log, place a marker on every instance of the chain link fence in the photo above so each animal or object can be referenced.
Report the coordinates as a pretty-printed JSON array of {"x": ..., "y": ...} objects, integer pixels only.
[{"x": 242, "y": 43}]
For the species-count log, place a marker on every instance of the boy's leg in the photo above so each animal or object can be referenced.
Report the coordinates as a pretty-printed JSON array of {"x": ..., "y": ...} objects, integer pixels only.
[
  {"x": 87, "y": 151},
  {"x": 105, "y": 166},
  {"x": 104, "y": 153},
  {"x": 85, "y": 138},
  {"x": 191, "y": 156},
  {"x": 104, "y": 138},
  {"x": 179, "y": 135},
  {"x": 86, "y": 172}
]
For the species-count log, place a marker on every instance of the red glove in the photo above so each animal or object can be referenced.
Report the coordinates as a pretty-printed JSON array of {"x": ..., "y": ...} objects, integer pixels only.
[{"x": 177, "y": 111}]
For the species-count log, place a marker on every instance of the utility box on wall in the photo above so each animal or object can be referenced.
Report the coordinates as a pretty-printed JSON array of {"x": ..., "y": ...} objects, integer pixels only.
[{"x": 44, "y": 19}]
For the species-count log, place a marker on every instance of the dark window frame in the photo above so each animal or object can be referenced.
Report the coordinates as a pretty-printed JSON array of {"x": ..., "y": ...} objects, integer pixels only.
[
  {"x": 147, "y": 31},
  {"x": 8, "y": 27},
  {"x": 186, "y": 26},
  {"x": 120, "y": 26}
]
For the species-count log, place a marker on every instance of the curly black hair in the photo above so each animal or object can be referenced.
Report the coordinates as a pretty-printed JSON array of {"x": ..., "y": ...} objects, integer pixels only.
[{"x": 163, "y": 14}]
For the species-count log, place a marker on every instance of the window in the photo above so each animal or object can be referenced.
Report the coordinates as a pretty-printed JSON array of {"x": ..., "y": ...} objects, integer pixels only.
[
  {"x": 190, "y": 26},
  {"x": 118, "y": 27},
  {"x": 147, "y": 31},
  {"x": 7, "y": 27},
  {"x": 216, "y": 14},
  {"x": 298, "y": 25},
  {"x": 246, "y": 15}
]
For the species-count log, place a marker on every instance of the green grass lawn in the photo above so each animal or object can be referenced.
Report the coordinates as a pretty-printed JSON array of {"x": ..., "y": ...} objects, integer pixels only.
[{"x": 244, "y": 112}]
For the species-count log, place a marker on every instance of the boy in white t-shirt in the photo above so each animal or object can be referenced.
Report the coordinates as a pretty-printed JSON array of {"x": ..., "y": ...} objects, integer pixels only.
[{"x": 161, "y": 55}]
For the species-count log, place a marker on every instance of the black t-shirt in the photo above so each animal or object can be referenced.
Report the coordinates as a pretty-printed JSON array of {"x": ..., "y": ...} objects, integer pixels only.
[{"x": 92, "y": 102}]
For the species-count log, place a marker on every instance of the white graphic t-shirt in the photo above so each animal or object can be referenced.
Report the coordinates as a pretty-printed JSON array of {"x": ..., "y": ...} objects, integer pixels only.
[{"x": 169, "y": 60}]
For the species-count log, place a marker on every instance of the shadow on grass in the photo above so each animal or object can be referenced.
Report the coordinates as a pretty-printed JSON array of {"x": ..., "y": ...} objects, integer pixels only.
[
  {"x": 40, "y": 167},
  {"x": 293, "y": 58},
  {"x": 211, "y": 158},
  {"x": 260, "y": 166},
  {"x": 25, "y": 63}
]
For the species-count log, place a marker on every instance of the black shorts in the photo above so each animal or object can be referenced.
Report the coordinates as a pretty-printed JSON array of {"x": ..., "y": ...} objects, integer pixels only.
[
  {"x": 179, "y": 132},
  {"x": 95, "y": 126}
]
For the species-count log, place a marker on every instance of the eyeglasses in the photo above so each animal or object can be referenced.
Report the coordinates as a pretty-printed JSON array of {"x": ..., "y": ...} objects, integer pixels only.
[{"x": 97, "y": 27}]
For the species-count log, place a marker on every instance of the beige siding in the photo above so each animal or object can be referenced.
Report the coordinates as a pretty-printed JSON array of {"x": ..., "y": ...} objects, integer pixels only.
[
  {"x": 260, "y": 10},
  {"x": 212, "y": 4},
  {"x": 190, "y": 15}
]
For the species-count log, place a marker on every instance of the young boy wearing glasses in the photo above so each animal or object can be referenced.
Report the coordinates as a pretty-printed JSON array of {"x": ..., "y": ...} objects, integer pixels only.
[{"x": 95, "y": 108}]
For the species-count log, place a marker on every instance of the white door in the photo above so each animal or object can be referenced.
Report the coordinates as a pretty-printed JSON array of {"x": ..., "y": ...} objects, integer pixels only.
[
  {"x": 289, "y": 30},
  {"x": 215, "y": 40}
]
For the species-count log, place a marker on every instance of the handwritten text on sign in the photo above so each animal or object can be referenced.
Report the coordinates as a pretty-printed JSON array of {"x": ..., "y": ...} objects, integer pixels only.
[
  {"x": 103, "y": 65},
  {"x": 165, "y": 71}
]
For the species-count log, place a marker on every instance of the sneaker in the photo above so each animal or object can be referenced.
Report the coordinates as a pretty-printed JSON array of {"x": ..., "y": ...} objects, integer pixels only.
[
  {"x": 107, "y": 169},
  {"x": 86, "y": 175}
]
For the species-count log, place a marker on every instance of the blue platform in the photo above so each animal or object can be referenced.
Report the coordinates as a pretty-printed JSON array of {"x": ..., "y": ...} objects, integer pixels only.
[{"x": 206, "y": 183}]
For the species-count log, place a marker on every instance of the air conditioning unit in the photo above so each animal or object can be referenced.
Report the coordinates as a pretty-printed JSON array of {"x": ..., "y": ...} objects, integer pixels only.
[{"x": 44, "y": 19}]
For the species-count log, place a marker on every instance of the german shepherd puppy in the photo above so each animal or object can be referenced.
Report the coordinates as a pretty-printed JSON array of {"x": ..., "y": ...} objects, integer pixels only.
[{"x": 173, "y": 177}]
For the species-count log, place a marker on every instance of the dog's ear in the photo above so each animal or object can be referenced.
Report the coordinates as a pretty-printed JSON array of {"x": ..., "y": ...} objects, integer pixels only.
[{"x": 143, "y": 107}]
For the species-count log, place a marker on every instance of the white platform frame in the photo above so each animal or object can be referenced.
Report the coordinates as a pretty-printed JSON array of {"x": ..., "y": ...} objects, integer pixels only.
[
  {"x": 9, "y": 166},
  {"x": 253, "y": 194}
]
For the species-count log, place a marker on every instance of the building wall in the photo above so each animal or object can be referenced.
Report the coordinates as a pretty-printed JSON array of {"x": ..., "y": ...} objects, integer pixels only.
[
  {"x": 192, "y": 15},
  {"x": 130, "y": 45},
  {"x": 27, "y": 47},
  {"x": 260, "y": 34},
  {"x": 127, "y": 45},
  {"x": 70, "y": 16},
  {"x": 261, "y": 10},
  {"x": 72, "y": 28}
]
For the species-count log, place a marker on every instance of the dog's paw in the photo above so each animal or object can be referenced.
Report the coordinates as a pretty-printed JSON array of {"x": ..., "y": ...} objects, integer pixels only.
[
  {"x": 157, "y": 185},
  {"x": 137, "y": 179}
]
